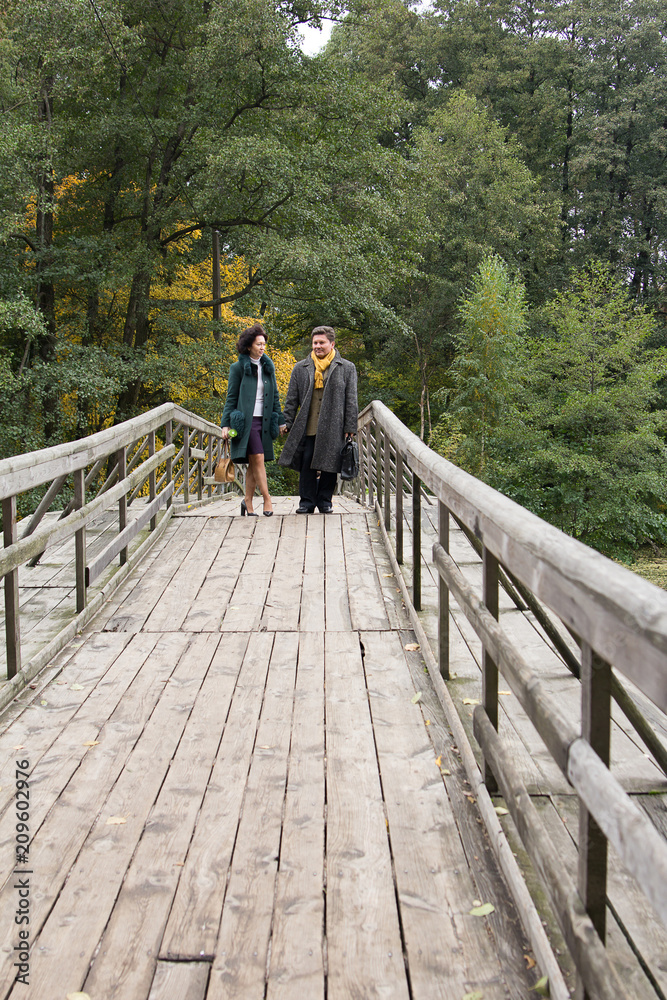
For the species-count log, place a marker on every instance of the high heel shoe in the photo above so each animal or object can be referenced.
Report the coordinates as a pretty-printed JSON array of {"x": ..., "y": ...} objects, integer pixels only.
[
  {"x": 267, "y": 513},
  {"x": 244, "y": 510}
]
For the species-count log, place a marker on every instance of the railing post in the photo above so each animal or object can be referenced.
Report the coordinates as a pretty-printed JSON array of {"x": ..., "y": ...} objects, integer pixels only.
[
  {"x": 151, "y": 478},
  {"x": 186, "y": 464},
  {"x": 596, "y": 730},
  {"x": 361, "y": 484},
  {"x": 489, "y": 668},
  {"x": 209, "y": 465},
  {"x": 369, "y": 458},
  {"x": 416, "y": 543},
  {"x": 80, "y": 541},
  {"x": 399, "y": 508},
  {"x": 169, "y": 471},
  {"x": 387, "y": 483},
  {"x": 378, "y": 464},
  {"x": 443, "y": 595},
  {"x": 12, "y": 614},
  {"x": 200, "y": 468},
  {"x": 122, "y": 503}
]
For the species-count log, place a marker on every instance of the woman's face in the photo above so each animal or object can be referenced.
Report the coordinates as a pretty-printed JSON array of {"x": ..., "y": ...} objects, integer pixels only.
[{"x": 257, "y": 347}]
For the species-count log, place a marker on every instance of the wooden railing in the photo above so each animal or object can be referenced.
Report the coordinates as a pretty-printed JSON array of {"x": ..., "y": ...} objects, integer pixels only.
[
  {"x": 619, "y": 622},
  {"x": 165, "y": 454}
]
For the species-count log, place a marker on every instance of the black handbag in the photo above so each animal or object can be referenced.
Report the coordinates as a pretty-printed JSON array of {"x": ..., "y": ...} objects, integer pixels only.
[{"x": 349, "y": 460}]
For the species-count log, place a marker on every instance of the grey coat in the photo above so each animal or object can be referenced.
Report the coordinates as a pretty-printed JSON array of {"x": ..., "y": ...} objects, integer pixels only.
[{"x": 338, "y": 415}]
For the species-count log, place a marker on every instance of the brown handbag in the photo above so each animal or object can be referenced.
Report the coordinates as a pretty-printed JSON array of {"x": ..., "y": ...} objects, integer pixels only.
[{"x": 224, "y": 470}]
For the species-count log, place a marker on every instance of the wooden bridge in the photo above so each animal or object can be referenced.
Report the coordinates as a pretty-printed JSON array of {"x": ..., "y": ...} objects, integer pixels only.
[{"x": 237, "y": 754}]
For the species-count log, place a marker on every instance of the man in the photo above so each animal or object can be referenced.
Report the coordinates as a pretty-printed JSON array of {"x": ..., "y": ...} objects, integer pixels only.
[{"x": 320, "y": 412}]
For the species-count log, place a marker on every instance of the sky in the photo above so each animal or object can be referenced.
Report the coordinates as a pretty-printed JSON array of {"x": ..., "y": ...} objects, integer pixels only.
[{"x": 314, "y": 40}]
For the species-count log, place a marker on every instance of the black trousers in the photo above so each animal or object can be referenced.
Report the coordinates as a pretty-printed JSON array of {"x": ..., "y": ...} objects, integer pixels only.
[{"x": 315, "y": 490}]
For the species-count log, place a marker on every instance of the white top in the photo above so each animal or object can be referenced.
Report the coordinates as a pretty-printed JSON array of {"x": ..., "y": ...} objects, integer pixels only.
[{"x": 259, "y": 398}]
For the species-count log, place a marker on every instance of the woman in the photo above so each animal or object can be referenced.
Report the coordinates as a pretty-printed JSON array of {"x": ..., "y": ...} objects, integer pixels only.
[{"x": 252, "y": 409}]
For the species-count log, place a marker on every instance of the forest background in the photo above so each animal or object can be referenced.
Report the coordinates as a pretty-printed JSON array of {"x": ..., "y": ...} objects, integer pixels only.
[{"x": 472, "y": 193}]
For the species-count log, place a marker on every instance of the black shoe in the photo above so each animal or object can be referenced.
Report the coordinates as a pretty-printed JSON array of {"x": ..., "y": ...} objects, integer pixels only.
[
  {"x": 304, "y": 509},
  {"x": 326, "y": 508},
  {"x": 267, "y": 513},
  {"x": 244, "y": 510}
]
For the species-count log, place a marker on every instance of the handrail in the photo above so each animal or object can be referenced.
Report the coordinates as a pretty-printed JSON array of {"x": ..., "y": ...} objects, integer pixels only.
[
  {"x": 617, "y": 618},
  {"x": 165, "y": 474}
]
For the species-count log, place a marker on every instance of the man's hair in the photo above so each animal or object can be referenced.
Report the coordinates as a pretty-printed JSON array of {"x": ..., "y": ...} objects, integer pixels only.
[
  {"x": 325, "y": 331},
  {"x": 247, "y": 338}
]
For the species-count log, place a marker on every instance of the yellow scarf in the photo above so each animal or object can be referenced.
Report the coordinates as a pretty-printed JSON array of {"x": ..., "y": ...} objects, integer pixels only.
[{"x": 321, "y": 365}]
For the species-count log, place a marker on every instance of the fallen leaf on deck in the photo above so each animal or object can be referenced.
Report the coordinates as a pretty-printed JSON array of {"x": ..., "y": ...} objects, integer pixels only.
[
  {"x": 542, "y": 986},
  {"x": 76, "y": 687},
  {"x": 483, "y": 910},
  {"x": 412, "y": 647},
  {"x": 416, "y": 698},
  {"x": 471, "y": 701},
  {"x": 116, "y": 820},
  {"x": 504, "y": 692},
  {"x": 445, "y": 770},
  {"x": 471, "y": 798},
  {"x": 501, "y": 811},
  {"x": 20, "y": 747},
  {"x": 91, "y": 743},
  {"x": 428, "y": 722},
  {"x": 78, "y": 996},
  {"x": 387, "y": 574},
  {"x": 530, "y": 961},
  {"x": 43, "y": 702},
  {"x": 438, "y": 761},
  {"x": 476, "y": 995}
]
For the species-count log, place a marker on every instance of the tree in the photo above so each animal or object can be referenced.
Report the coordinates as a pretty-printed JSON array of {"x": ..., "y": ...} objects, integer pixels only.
[
  {"x": 586, "y": 449},
  {"x": 175, "y": 119},
  {"x": 484, "y": 376}
]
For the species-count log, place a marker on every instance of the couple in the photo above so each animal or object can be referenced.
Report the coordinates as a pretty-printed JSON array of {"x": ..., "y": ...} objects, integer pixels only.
[{"x": 320, "y": 413}]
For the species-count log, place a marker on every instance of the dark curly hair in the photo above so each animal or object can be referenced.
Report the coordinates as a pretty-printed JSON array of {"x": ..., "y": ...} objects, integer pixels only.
[{"x": 245, "y": 341}]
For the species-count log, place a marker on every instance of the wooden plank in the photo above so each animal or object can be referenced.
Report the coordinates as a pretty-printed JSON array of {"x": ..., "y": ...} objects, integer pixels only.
[
  {"x": 207, "y": 610},
  {"x": 622, "y": 617},
  {"x": 241, "y": 955},
  {"x": 244, "y": 612},
  {"x": 448, "y": 951},
  {"x": 192, "y": 928},
  {"x": 131, "y": 610},
  {"x": 479, "y": 862},
  {"x": 366, "y": 601},
  {"x": 283, "y": 601},
  {"x": 312, "y": 590},
  {"x": 125, "y": 962},
  {"x": 96, "y": 566},
  {"x": 181, "y": 591},
  {"x": 560, "y": 813},
  {"x": 61, "y": 836},
  {"x": 336, "y": 603},
  {"x": 364, "y": 947},
  {"x": 184, "y": 980},
  {"x": 297, "y": 952},
  {"x": 54, "y": 733},
  {"x": 11, "y": 588},
  {"x": 70, "y": 937}
]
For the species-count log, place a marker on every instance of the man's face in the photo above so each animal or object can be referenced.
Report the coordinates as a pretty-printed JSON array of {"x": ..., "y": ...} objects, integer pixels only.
[{"x": 322, "y": 345}]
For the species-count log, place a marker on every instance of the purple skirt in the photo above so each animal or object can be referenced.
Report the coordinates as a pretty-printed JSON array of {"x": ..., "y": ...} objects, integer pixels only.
[{"x": 255, "y": 446}]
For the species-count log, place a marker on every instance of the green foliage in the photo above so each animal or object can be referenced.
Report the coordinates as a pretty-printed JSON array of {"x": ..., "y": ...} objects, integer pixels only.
[
  {"x": 586, "y": 450},
  {"x": 484, "y": 375}
]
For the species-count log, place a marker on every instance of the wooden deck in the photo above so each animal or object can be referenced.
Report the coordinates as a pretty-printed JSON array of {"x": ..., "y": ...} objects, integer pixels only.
[
  {"x": 636, "y": 939},
  {"x": 243, "y": 785}
]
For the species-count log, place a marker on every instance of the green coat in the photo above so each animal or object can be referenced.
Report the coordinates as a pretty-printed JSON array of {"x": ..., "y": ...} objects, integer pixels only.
[{"x": 240, "y": 402}]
